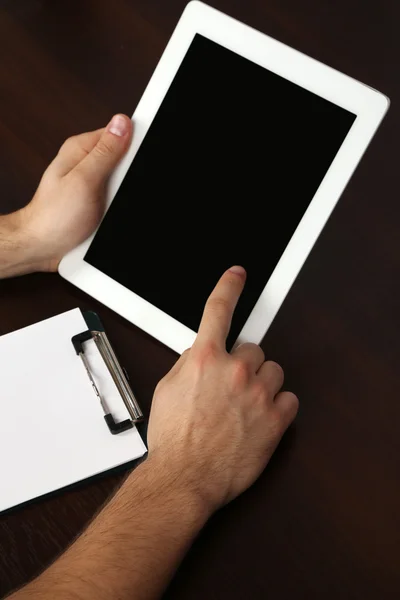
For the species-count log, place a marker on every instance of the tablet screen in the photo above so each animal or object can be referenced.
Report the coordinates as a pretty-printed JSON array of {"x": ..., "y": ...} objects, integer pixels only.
[{"x": 224, "y": 175}]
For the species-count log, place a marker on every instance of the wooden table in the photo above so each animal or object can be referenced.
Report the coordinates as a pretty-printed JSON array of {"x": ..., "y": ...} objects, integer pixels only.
[{"x": 323, "y": 520}]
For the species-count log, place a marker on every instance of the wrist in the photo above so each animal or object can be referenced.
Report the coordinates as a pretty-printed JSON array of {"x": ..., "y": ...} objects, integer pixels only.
[
  {"x": 176, "y": 489},
  {"x": 17, "y": 250},
  {"x": 35, "y": 248}
]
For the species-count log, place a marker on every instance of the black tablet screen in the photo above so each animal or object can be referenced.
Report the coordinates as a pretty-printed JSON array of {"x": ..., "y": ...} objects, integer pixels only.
[{"x": 225, "y": 173}]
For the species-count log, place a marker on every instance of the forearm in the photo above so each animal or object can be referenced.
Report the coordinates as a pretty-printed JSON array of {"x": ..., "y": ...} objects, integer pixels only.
[
  {"x": 18, "y": 250},
  {"x": 132, "y": 548}
]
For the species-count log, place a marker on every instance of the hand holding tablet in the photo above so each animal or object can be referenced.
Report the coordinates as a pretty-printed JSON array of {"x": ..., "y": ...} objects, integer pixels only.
[{"x": 241, "y": 149}]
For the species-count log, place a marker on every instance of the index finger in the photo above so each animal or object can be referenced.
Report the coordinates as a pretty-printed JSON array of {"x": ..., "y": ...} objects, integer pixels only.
[{"x": 220, "y": 306}]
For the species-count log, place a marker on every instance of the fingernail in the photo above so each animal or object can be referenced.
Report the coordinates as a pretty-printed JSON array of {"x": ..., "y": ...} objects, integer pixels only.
[
  {"x": 118, "y": 125},
  {"x": 238, "y": 270}
]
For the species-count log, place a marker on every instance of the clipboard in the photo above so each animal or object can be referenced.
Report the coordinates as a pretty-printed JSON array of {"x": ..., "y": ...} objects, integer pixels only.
[{"x": 53, "y": 435}]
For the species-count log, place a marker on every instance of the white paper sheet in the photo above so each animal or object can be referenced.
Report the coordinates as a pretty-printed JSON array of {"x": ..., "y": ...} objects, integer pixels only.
[{"x": 52, "y": 428}]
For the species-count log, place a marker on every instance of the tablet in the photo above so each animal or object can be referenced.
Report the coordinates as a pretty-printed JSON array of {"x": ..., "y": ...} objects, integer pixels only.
[{"x": 241, "y": 149}]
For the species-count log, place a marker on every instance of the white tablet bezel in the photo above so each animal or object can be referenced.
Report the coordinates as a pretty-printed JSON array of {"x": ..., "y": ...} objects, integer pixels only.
[{"x": 367, "y": 104}]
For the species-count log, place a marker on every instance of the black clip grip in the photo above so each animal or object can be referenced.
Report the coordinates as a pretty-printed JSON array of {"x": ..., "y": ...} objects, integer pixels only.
[
  {"x": 77, "y": 340},
  {"x": 116, "y": 428}
]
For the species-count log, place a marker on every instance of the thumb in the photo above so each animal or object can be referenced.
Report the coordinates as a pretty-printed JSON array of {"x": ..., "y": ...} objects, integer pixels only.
[{"x": 108, "y": 151}]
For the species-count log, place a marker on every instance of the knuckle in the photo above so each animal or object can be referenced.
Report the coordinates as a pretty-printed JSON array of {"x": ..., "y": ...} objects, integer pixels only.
[
  {"x": 248, "y": 346},
  {"x": 252, "y": 352},
  {"x": 241, "y": 373},
  {"x": 257, "y": 352},
  {"x": 259, "y": 391},
  {"x": 206, "y": 353},
  {"x": 287, "y": 410},
  {"x": 103, "y": 148},
  {"x": 293, "y": 402},
  {"x": 276, "y": 368}
]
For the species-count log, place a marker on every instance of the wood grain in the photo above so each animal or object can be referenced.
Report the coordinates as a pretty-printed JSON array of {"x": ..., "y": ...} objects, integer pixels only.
[{"x": 323, "y": 520}]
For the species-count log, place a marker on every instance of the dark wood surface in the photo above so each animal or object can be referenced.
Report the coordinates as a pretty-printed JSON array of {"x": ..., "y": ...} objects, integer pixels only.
[{"x": 323, "y": 520}]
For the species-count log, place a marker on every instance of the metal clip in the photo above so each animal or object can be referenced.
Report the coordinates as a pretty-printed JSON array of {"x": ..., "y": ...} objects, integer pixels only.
[{"x": 118, "y": 375}]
